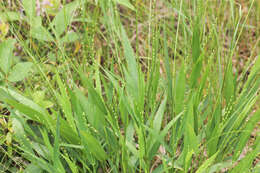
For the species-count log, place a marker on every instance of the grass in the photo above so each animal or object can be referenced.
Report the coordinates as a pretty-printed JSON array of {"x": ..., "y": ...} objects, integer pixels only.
[{"x": 129, "y": 86}]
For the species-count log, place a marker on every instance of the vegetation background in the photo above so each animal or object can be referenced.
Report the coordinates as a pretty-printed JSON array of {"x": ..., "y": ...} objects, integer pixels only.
[{"x": 129, "y": 86}]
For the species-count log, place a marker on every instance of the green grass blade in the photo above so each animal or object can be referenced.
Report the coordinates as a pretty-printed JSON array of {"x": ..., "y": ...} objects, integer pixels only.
[
  {"x": 64, "y": 101},
  {"x": 179, "y": 90},
  {"x": 92, "y": 145},
  {"x": 245, "y": 134},
  {"x": 245, "y": 164},
  {"x": 204, "y": 167},
  {"x": 157, "y": 122}
]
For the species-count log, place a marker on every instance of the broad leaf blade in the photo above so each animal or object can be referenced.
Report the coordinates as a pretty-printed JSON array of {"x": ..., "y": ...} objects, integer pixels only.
[
  {"x": 70, "y": 37},
  {"x": 20, "y": 71},
  {"x": 10, "y": 16},
  {"x": 64, "y": 17},
  {"x": 30, "y": 8},
  {"x": 41, "y": 33},
  {"x": 6, "y": 50}
]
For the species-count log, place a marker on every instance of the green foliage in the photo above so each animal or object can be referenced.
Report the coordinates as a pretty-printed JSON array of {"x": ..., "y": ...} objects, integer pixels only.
[
  {"x": 64, "y": 17},
  {"x": 19, "y": 71},
  {"x": 6, "y": 55},
  {"x": 125, "y": 86},
  {"x": 125, "y": 3}
]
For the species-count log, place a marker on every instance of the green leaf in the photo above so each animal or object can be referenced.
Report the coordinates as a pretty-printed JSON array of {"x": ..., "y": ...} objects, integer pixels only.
[
  {"x": 19, "y": 71},
  {"x": 6, "y": 51},
  {"x": 38, "y": 114},
  {"x": 36, "y": 22},
  {"x": 192, "y": 139},
  {"x": 93, "y": 146},
  {"x": 219, "y": 166},
  {"x": 229, "y": 87},
  {"x": 11, "y": 94},
  {"x": 132, "y": 75},
  {"x": 56, "y": 149},
  {"x": 95, "y": 98},
  {"x": 70, "y": 37},
  {"x": 72, "y": 165},
  {"x": 214, "y": 131},
  {"x": 246, "y": 163},
  {"x": 256, "y": 169},
  {"x": 64, "y": 102},
  {"x": 196, "y": 42},
  {"x": 64, "y": 17},
  {"x": 157, "y": 138},
  {"x": 31, "y": 168},
  {"x": 38, "y": 96},
  {"x": 30, "y": 8},
  {"x": 77, "y": 107},
  {"x": 254, "y": 71},
  {"x": 17, "y": 127},
  {"x": 187, "y": 160},
  {"x": 94, "y": 115},
  {"x": 9, "y": 16},
  {"x": 1, "y": 77},
  {"x": 125, "y": 3},
  {"x": 206, "y": 164},
  {"x": 157, "y": 122},
  {"x": 45, "y": 104},
  {"x": 41, "y": 33},
  {"x": 129, "y": 55},
  {"x": 245, "y": 134},
  {"x": 196, "y": 70},
  {"x": 167, "y": 64},
  {"x": 179, "y": 90},
  {"x": 141, "y": 142},
  {"x": 41, "y": 150}
]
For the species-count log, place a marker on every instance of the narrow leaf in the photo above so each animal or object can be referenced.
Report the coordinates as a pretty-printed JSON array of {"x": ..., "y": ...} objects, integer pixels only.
[
  {"x": 93, "y": 146},
  {"x": 206, "y": 164},
  {"x": 157, "y": 122},
  {"x": 131, "y": 64},
  {"x": 179, "y": 90}
]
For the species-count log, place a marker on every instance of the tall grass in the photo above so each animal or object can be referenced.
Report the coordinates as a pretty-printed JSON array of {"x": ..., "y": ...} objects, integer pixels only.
[{"x": 90, "y": 99}]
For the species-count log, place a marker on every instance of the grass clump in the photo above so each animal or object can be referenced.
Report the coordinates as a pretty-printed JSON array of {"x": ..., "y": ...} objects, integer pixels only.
[{"x": 129, "y": 86}]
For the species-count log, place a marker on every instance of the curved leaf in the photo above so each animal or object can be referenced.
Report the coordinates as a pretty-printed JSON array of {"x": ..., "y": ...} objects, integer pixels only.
[{"x": 20, "y": 71}]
